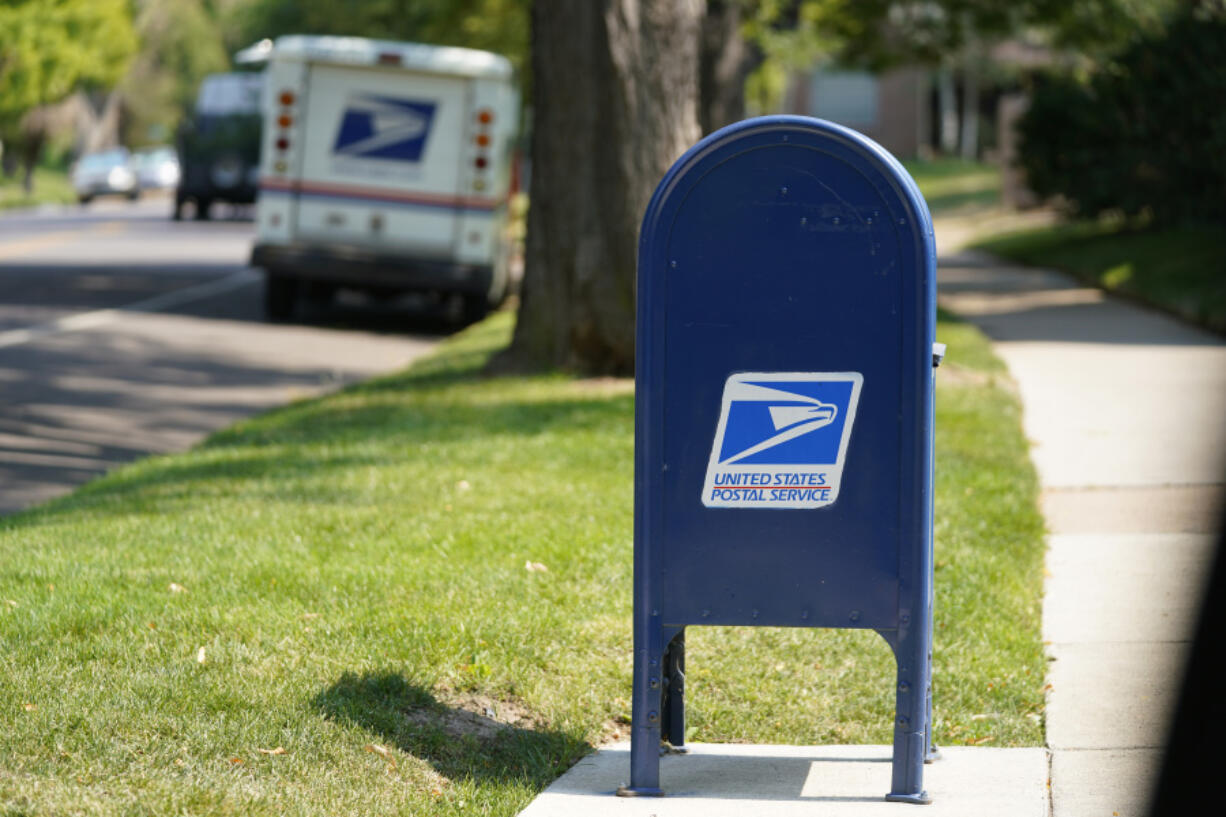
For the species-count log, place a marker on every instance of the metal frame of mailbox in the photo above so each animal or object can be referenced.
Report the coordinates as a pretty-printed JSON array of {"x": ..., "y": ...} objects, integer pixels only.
[{"x": 811, "y": 196}]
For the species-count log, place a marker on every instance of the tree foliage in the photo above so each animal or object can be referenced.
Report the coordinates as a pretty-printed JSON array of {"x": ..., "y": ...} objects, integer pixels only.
[
  {"x": 879, "y": 34},
  {"x": 50, "y": 48},
  {"x": 181, "y": 43},
  {"x": 500, "y": 26},
  {"x": 784, "y": 36}
]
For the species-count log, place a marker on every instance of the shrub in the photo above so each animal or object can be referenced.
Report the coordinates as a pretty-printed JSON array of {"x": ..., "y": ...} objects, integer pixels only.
[{"x": 1145, "y": 133}]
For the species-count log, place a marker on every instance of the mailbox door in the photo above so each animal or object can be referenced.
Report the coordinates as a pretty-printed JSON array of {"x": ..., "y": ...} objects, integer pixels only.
[{"x": 785, "y": 250}]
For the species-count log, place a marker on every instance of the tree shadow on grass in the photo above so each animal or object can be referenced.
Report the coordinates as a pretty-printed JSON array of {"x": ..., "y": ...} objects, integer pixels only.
[
  {"x": 472, "y": 738},
  {"x": 289, "y": 456}
]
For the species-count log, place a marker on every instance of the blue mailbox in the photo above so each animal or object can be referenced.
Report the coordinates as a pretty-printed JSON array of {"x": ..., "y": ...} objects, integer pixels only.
[{"x": 783, "y": 429}]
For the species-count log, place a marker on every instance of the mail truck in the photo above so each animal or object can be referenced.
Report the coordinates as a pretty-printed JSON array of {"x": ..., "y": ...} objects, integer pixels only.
[{"x": 385, "y": 167}]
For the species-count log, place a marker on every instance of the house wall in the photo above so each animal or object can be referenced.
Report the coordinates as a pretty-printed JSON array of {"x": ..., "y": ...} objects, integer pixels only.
[{"x": 890, "y": 108}]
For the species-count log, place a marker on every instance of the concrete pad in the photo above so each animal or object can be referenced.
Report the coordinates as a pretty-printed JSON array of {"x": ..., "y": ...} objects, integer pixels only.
[
  {"x": 1119, "y": 587},
  {"x": 1103, "y": 781},
  {"x": 723, "y": 780},
  {"x": 1112, "y": 695}
]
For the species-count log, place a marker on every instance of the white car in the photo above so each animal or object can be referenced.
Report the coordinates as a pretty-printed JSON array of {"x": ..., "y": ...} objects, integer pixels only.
[
  {"x": 157, "y": 168},
  {"x": 107, "y": 173}
]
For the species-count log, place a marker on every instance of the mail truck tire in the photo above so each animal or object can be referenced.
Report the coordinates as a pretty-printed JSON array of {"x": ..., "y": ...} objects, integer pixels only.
[
  {"x": 280, "y": 296},
  {"x": 476, "y": 307}
]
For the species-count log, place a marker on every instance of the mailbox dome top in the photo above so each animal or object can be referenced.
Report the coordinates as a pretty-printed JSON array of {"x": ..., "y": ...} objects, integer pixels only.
[{"x": 850, "y": 146}]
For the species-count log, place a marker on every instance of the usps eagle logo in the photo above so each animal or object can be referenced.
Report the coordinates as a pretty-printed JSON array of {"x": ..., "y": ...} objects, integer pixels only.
[
  {"x": 380, "y": 127},
  {"x": 782, "y": 439}
]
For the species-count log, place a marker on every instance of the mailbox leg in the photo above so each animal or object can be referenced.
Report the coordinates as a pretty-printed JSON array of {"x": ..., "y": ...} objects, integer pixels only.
[
  {"x": 646, "y": 722},
  {"x": 911, "y": 725},
  {"x": 932, "y": 753},
  {"x": 649, "y": 715},
  {"x": 673, "y": 709}
]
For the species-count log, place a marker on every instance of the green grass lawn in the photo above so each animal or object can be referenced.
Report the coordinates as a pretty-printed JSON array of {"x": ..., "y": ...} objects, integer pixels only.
[
  {"x": 50, "y": 187},
  {"x": 956, "y": 186},
  {"x": 1181, "y": 270},
  {"x": 414, "y": 597}
]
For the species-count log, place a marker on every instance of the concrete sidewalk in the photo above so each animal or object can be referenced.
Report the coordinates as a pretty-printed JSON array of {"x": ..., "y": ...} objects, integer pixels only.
[{"x": 1124, "y": 409}]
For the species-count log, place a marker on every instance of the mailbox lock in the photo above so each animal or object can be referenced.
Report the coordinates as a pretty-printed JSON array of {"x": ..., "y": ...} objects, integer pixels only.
[{"x": 654, "y": 683}]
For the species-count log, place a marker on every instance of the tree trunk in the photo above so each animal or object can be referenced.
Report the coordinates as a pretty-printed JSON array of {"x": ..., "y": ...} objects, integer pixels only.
[
  {"x": 970, "y": 112},
  {"x": 723, "y": 64},
  {"x": 616, "y": 90},
  {"x": 27, "y": 174},
  {"x": 974, "y": 63},
  {"x": 30, "y": 145},
  {"x": 102, "y": 133},
  {"x": 947, "y": 101}
]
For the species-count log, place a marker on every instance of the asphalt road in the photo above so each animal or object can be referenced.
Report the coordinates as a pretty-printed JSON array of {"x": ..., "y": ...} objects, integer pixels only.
[{"x": 123, "y": 334}]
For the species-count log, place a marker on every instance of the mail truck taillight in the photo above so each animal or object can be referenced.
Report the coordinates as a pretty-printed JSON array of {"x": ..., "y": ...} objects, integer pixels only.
[
  {"x": 485, "y": 116},
  {"x": 282, "y": 144},
  {"x": 389, "y": 58},
  {"x": 287, "y": 97},
  {"x": 285, "y": 121}
]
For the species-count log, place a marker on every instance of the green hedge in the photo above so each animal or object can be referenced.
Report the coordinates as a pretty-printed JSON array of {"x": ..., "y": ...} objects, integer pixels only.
[{"x": 1145, "y": 134}]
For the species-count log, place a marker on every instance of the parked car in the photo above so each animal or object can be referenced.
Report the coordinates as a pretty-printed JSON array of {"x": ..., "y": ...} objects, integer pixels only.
[
  {"x": 106, "y": 173},
  {"x": 219, "y": 145},
  {"x": 157, "y": 168}
]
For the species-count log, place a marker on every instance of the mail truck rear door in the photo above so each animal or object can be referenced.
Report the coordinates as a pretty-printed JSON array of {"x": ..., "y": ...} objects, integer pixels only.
[{"x": 381, "y": 162}]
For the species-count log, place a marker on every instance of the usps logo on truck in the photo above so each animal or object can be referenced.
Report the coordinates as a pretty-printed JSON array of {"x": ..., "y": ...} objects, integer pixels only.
[
  {"x": 781, "y": 440},
  {"x": 381, "y": 127}
]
